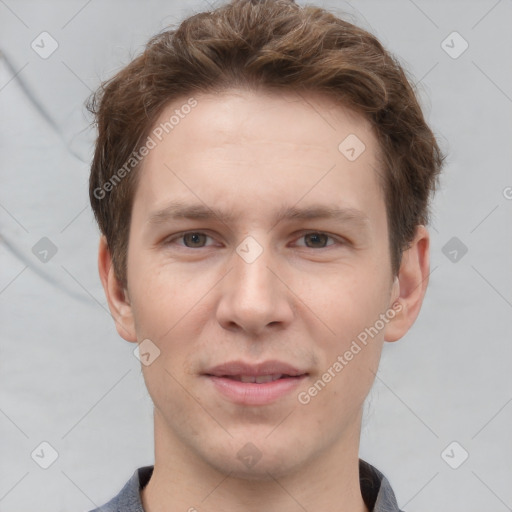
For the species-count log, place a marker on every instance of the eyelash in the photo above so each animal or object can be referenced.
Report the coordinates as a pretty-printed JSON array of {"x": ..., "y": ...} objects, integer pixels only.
[{"x": 337, "y": 241}]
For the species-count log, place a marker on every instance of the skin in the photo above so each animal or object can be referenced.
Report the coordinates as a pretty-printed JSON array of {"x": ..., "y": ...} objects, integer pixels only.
[{"x": 303, "y": 300}]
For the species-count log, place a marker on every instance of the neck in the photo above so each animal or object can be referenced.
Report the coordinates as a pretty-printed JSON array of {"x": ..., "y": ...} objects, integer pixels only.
[{"x": 183, "y": 481}]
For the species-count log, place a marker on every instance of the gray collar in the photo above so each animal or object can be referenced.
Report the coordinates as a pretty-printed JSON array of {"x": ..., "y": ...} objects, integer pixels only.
[{"x": 375, "y": 488}]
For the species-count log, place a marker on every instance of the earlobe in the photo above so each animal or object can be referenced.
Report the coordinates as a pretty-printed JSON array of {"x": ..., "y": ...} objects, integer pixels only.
[
  {"x": 410, "y": 286},
  {"x": 117, "y": 296}
]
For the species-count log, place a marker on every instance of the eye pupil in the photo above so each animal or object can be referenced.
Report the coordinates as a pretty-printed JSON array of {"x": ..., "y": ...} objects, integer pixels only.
[
  {"x": 194, "y": 237},
  {"x": 316, "y": 237}
]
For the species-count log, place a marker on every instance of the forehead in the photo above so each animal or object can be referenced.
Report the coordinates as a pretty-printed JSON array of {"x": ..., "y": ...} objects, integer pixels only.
[
  {"x": 243, "y": 148},
  {"x": 238, "y": 115}
]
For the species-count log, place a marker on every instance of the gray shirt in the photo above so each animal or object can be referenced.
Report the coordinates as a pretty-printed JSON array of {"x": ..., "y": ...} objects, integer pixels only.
[{"x": 375, "y": 489}]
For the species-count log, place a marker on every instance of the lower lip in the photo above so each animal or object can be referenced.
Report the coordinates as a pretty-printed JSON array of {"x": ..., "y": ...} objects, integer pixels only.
[{"x": 250, "y": 393}]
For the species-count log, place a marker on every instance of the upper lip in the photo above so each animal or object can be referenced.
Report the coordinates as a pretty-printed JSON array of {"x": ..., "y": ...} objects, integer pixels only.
[{"x": 254, "y": 370}]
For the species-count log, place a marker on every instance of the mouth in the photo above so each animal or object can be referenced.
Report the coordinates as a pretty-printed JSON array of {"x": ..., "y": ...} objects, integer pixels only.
[
  {"x": 258, "y": 379},
  {"x": 255, "y": 384}
]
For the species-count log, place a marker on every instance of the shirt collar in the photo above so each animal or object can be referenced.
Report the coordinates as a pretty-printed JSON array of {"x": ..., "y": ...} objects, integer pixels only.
[{"x": 375, "y": 489}]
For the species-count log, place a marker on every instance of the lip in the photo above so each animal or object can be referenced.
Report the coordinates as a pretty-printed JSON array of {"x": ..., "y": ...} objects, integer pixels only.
[
  {"x": 249, "y": 393},
  {"x": 264, "y": 368}
]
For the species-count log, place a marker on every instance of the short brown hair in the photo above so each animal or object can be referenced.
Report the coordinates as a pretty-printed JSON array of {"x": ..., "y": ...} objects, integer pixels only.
[{"x": 272, "y": 45}]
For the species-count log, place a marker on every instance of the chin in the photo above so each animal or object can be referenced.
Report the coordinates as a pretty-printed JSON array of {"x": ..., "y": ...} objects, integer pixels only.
[
  {"x": 258, "y": 461},
  {"x": 261, "y": 471}
]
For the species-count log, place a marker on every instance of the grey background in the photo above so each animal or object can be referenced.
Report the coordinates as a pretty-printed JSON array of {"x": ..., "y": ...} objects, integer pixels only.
[{"x": 67, "y": 378}]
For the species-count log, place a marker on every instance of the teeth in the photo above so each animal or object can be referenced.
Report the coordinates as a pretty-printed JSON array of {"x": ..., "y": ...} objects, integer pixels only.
[
  {"x": 264, "y": 378},
  {"x": 261, "y": 379}
]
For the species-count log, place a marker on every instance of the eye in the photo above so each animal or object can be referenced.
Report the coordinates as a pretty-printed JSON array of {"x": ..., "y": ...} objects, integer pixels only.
[
  {"x": 317, "y": 239},
  {"x": 192, "y": 239},
  {"x": 198, "y": 239}
]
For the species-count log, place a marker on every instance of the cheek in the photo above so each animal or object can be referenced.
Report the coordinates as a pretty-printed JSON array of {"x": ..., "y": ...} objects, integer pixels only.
[
  {"x": 163, "y": 297},
  {"x": 348, "y": 303},
  {"x": 351, "y": 356},
  {"x": 176, "y": 403},
  {"x": 345, "y": 378}
]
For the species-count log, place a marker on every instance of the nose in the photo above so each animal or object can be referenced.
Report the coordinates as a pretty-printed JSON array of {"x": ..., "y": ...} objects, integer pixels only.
[{"x": 254, "y": 296}]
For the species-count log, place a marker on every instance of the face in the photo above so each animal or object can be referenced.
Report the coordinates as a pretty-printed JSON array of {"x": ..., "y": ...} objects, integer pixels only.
[{"x": 258, "y": 250}]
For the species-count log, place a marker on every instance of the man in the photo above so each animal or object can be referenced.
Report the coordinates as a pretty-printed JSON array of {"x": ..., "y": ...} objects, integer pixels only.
[{"x": 262, "y": 178}]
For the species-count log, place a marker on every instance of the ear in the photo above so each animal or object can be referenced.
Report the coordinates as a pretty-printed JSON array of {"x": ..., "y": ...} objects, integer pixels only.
[
  {"x": 117, "y": 296},
  {"x": 410, "y": 285}
]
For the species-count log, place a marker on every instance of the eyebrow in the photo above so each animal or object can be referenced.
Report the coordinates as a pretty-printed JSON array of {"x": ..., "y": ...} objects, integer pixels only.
[{"x": 177, "y": 210}]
